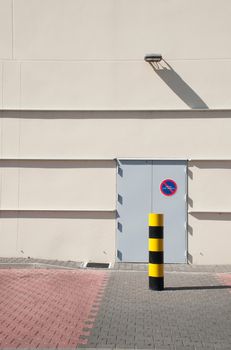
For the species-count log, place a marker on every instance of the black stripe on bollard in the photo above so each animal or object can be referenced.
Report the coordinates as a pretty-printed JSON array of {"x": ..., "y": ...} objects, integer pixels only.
[
  {"x": 156, "y": 257},
  {"x": 156, "y": 232},
  {"x": 156, "y": 283}
]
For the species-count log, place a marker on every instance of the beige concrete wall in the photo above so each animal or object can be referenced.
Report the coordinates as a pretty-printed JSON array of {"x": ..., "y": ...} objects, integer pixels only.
[
  {"x": 77, "y": 236},
  {"x": 11, "y": 82},
  {"x": 108, "y": 29},
  {"x": 58, "y": 185},
  {"x": 77, "y": 54},
  {"x": 1, "y": 85},
  {"x": 209, "y": 238},
  {"x": 209, "y": 234},
  {"x": 209, "y": 188},
  {"x": 123, "y": 85},
  {"x": 107, "y": 135},
  {"x": 89, "y": 55},
  {"x": 87, "y": 85},
  {"x": 6, "y": 26},
  {"x": 9, "y": 235},
  {"x": 43, "y": 186},
  {"x": 58, "y": 209}
]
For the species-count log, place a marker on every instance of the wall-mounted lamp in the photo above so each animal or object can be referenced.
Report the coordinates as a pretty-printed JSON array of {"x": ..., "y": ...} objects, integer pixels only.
[{"x": 154, "y": 57}]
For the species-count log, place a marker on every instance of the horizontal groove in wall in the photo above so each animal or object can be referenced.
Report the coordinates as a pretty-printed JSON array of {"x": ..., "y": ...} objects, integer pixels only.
[
  {"x": 209, "y": 211},
  {"x": 59, "y": 210},
  {"x": 58, "y": 163},
  {"x": 60, "y": 159},
  {"x": 115, "y": 159},
  {"x": 116, "y": 114},
  {"x": 59, "y": 214},
  {"x": 107, "y": 59},
  {"x": 208, "y": 160},
  {"x": 211, "y": 216}
]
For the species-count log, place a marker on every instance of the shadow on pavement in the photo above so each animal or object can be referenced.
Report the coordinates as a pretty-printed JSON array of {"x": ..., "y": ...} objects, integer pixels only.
[{"x": 197, "y": 287}]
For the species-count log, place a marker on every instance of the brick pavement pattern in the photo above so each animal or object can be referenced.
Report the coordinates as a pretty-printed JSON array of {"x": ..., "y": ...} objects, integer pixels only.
[
  {"x": 225, "y": 279},
  {"x": 192, "y": 313},
  {"x": 48, "y": 308}
]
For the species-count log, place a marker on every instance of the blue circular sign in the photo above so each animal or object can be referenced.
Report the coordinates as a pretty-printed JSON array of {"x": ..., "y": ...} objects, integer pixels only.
[{"x": 168, "y": 187}]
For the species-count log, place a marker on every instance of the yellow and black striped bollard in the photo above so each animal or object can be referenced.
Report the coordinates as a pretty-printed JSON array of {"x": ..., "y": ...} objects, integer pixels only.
[{"x": 156, "y": 251}]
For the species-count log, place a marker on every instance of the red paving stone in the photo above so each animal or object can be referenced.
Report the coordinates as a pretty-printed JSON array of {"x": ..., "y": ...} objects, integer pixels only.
[
  {"x": 225, "y": 279},
  {"x": 48, "y": 308}
]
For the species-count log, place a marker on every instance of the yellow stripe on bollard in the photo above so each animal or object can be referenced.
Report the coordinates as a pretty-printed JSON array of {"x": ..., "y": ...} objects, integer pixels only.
[
  {"x": 156, "y": 219},
  {"x": 156, "y": 245},
  {"x": 156, "y": 270}
]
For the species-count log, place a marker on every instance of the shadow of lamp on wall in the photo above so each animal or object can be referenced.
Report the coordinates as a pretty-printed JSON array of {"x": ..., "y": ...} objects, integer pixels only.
[{"x": 175, "y": 82}]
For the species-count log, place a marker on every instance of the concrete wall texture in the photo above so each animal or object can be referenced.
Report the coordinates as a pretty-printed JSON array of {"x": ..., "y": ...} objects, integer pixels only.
[{"x": 76, "y": 93}]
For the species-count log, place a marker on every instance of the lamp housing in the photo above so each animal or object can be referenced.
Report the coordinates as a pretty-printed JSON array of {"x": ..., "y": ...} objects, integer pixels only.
[{"x": 153, "y": 57}]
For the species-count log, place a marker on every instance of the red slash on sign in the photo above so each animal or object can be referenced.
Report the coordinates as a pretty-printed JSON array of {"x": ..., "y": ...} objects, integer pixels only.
[{"x": 168, "y": 187}]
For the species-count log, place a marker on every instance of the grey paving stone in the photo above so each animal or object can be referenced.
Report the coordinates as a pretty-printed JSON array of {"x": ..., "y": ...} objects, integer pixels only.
[
  {"x": 193, "y": 312},
  {"x": 174, "y": 267},
  {"x": 186, "y": 348}
]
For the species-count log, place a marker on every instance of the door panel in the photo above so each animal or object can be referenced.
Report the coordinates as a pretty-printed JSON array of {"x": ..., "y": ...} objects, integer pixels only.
[
  {"x": 173, "y": 207},
  {"x": 133, "y": 203},
  {"x": 138, "y": 190}
]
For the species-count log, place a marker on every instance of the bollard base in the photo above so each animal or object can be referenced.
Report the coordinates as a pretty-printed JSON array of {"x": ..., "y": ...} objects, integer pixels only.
[{"x": 156, "y": 283}]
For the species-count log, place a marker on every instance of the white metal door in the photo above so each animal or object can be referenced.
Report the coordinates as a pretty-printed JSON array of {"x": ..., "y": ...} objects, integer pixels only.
[{"x": 142, "y": 188}]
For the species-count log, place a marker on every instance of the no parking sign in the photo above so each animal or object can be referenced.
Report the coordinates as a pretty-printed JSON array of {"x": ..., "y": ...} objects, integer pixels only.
[{"x": 168, "y": 187}]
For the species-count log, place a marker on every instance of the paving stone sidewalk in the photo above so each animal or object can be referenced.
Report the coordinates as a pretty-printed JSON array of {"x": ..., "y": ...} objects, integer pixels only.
[
  {"x": 46, "y": 309},
  {"x": 192, "y": 313},
  {"x": 18, "y": 263}
]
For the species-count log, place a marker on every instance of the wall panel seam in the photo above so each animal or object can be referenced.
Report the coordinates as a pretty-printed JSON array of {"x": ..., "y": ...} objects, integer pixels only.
[
  {"x": 111, "y": 60},
  {"x": 111, "y": 210},
  {"x": 12, "y": 19}
]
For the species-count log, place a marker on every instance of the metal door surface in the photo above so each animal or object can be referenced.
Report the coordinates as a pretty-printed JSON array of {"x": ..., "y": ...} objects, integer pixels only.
[
  {"x": 172, "y": 205},
  {"x": 133, "y": 204},
  {"x": 142, "y": 189}
]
